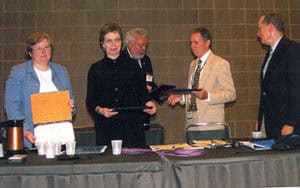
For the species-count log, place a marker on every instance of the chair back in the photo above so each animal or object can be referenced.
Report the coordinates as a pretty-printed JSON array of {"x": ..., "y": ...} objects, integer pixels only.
[
  {"x": 85, "y": 138},
  {"x": 154, "y": 134},
  {"x": 207, "y": 131}
]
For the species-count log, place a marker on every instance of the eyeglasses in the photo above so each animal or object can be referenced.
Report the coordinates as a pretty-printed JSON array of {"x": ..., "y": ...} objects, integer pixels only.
[
  {"x": 110, "y": 41},
  {"x": 40, "y": 49}
]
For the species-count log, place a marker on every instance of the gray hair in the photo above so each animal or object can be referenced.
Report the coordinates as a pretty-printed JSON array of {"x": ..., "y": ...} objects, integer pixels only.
[
  {"x": 130, "y": 35},
  {"x": 205, "y": 33},
  {"x": 275, "y": 19}
]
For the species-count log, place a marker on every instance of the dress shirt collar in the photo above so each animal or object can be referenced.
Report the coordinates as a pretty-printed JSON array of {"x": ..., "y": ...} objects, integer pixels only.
[
  {"x": 204, "y": 57},
  {"x": 131, "y": 56},
  {"x": 273, "y": 47}
]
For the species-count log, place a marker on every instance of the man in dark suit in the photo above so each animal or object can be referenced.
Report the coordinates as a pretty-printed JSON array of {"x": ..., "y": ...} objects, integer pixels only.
[
  {"x": 136, "y": 45},
  {"x": 279, "y": 109}
]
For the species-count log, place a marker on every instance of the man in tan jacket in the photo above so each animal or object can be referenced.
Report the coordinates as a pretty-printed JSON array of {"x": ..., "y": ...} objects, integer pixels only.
[{"x": 212, "y": 75}]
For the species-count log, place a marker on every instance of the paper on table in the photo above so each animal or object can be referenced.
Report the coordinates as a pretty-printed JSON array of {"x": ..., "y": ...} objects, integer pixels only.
[
  {"x": 90, "y": 149},
  {"x": 50, "y": 107},
  {"x": 170, "y": 146},
  {"x": 259, "y": 145},
  {"x": 209, "y": 143}
]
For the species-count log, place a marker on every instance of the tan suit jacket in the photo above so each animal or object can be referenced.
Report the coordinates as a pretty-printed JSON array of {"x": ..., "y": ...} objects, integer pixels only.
[{"x": 217, "y": 80}]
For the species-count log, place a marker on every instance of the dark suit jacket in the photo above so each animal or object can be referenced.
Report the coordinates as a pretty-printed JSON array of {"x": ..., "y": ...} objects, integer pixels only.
[
  {"x": 146, "y": 69},
  {"x": 280, "y": 89},
  {"x": 146, "y": 66}
]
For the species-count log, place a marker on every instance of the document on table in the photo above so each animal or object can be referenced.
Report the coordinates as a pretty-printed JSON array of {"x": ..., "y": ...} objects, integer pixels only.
[
  {"x": 170, "y": 146},
  {"x": 259, "y": 145},
  {"x": 210, "y": 143},
  {"x": 90, "y": 149}
]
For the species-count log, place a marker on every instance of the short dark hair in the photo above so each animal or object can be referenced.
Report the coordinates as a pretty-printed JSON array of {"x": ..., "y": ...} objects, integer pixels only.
[
  {"x": 275, "y": 19},
  {"x": 205, "y": 33},
  {"x": 33, "y": 39},
  {"x": 107, "y": 28}
]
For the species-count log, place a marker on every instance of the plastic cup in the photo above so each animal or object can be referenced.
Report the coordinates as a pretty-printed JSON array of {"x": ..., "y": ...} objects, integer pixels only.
[
  {"x": 70, "y": 147},
  {"x": 58, "y": 148},
  {"x": 256, "y": 134},
  {"x": 50, "y": 149},
  {"x": 116, "y": 147},
  {"x": 41, "y": 147},
  {"x": 1, "y": 151}
]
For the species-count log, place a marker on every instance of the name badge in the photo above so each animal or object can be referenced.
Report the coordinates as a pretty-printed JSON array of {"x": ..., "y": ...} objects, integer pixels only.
[
  {"x": 149, "y": 78},
  {"x": 189, "y": 115}
]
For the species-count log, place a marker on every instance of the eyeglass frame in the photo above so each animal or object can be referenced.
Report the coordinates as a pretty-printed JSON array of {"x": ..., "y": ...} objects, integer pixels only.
[
  {"x": 111, "y": 41},
  {"x": 40, "y": 49}
]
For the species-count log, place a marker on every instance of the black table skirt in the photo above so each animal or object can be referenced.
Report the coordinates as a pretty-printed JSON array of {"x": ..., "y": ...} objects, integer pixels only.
[
  {"x": 228, "y": 167},
  {"x": 221, "y": 167},
  {"x": 103, "y": 170}
]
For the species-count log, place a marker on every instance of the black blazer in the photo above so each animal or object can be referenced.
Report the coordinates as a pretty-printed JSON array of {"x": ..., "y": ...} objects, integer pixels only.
[
  {"x": 146, "y": 66},
  {"x": 280, "y": 89}
]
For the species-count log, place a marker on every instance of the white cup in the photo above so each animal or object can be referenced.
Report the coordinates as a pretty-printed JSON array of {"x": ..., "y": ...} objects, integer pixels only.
[
  {"x": 116, "y": 147},
  {"x": 70, "y": 147},
  {"x": 1, "y": 151},
  {"x": 40, "y": 144},
  {"x": 50, "y": 149},
  {"x": 256, "y": 134},
  {"x": 58, "y": 148}
]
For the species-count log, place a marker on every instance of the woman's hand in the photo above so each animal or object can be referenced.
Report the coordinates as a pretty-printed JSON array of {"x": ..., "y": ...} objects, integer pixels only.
[
  {"x": 71, "y": 104},
  {"x": 106, "y": 112},
  {"x": 151, "y": 110},
  {"x": 29, "y": 136}
]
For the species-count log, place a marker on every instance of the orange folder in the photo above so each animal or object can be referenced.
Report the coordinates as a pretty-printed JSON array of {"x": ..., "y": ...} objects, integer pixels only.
[{"x": 50, "y": 107}]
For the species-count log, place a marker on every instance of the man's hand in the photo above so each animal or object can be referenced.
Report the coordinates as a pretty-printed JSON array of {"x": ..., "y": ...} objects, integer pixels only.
[
  {"x": 202, "y": 94},
  {"x": 256, "y": 126},
  {"x": 287, "y": 129},
  {"x": 152, "y": 110},
  {"x": 149, "y": 88},
  {"x": 173, "y": 99}
]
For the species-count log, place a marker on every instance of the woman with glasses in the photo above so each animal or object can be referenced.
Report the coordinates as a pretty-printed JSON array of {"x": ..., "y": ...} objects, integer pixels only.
[
  {"x": 37, "y": 75},
  {"x": 114, "y": 82}
]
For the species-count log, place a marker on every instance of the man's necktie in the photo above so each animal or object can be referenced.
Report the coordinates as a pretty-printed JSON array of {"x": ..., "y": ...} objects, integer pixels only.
[
  {"x": 193, "y": 105},
  {"x": 269, "y": 54}
]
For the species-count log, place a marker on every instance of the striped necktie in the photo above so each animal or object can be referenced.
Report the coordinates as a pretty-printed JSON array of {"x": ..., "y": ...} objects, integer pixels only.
[{"x": 193, "y": 105}]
